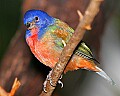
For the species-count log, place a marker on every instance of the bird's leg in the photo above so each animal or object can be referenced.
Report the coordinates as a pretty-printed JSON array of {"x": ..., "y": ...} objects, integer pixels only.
[
  {"x": 48, "y": 79},
  {"x": 51, "y": 82},
  {"x": 44, "y": 84},
  {"x": 59, "y": 81}
]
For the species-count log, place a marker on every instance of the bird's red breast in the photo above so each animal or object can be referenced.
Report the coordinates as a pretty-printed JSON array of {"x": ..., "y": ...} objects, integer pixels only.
[
  {"x": 43, "y": 49},
  {"x": 47, "y": 53}
]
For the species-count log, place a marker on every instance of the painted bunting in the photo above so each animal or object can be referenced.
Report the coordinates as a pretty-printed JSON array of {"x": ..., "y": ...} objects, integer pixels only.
[{"x": 47, "y": 36}]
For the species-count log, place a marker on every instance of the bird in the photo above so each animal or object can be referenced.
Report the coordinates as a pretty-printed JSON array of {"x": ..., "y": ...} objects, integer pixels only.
[{"x": 47, "y": 36}]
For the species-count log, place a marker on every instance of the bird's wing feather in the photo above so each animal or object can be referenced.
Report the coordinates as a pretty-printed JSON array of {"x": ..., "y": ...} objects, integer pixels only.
[{"x": 61, "y": 31}]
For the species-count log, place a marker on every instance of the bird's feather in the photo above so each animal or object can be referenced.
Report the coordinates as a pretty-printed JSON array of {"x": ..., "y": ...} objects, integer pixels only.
[{"x": 47, "y": 36}]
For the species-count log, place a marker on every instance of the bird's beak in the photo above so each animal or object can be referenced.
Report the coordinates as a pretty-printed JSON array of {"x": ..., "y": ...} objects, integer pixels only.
[{"x": 30, "y": 25}]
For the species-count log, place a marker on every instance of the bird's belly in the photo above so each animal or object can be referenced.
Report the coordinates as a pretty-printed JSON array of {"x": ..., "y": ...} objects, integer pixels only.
[{"x": 46, "y": 53}]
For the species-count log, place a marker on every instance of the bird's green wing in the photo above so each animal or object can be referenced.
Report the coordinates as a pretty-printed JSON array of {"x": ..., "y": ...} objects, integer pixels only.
[{"x": 62, "y": 32}]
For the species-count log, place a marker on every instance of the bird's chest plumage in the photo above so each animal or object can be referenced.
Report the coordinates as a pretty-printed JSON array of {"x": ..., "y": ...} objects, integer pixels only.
[
  {"x": 48, "y": 47},
  {"x": 45, "y": 49}
]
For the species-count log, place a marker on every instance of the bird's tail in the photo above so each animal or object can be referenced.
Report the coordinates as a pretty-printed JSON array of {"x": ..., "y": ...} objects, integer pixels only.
[{"x": 105, "y": 76}]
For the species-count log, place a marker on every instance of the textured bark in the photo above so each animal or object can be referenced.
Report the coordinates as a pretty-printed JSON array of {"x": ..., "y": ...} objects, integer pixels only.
[{"x": 16, "y": 61}]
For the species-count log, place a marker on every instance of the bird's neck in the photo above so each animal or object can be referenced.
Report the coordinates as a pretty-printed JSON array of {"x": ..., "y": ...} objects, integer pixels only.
[
  {"x": 43, "y": 29},
  {"x": 33, "y": 37},
  {"x": 31, "y": 40},
  {"x": 34, "y": 32}
]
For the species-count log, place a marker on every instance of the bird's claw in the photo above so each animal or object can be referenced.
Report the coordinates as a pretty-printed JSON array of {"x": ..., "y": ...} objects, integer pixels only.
[
  {"x": 60, "y": 77},
  {"x": 48, "y": 79},
  {"x": 61, "y": 83},
  {"x": 44, "y": 86},
  {"x": 51, "y": 82}
]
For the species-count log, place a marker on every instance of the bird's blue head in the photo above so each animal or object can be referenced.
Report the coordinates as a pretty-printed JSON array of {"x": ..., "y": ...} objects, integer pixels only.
[{"x": 37, "y": 18}]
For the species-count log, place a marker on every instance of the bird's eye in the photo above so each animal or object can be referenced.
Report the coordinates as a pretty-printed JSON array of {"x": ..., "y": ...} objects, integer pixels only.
[
  {"x": 36, "y": 19},
  {"x": 28, "y": 24}
]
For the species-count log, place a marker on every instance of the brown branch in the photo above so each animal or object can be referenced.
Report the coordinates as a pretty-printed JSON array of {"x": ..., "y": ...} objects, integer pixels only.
[
  {"x": 3, "y": 92},
  {"x": 88, "y": 17},
  {"x": 15, "y": 86}
]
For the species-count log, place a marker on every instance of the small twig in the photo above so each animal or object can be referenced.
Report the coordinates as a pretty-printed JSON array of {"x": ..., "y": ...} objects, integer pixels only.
[
  {"x": 80, "y": 15},
  {"x": 86, "y": 21},
  {"x": 87, "y": 27},
  {"x": 3, "y": 92},
  {"x": 15, "y": 86}
]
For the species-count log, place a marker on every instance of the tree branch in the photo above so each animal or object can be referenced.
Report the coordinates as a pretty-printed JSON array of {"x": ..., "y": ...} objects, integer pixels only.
[
  {"x": 3, "y": 92},
  {"x": 86, "y": 21},
  {"x": 15, "y": 87}
]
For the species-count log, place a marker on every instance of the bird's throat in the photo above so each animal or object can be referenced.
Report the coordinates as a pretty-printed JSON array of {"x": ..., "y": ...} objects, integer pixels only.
[
  {"x": 33, "y": 38},
  {"x": 34, "y": 31}
]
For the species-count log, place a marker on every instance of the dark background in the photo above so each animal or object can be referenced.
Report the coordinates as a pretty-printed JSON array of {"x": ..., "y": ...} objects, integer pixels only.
[{"x": 16, "y": 59}]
